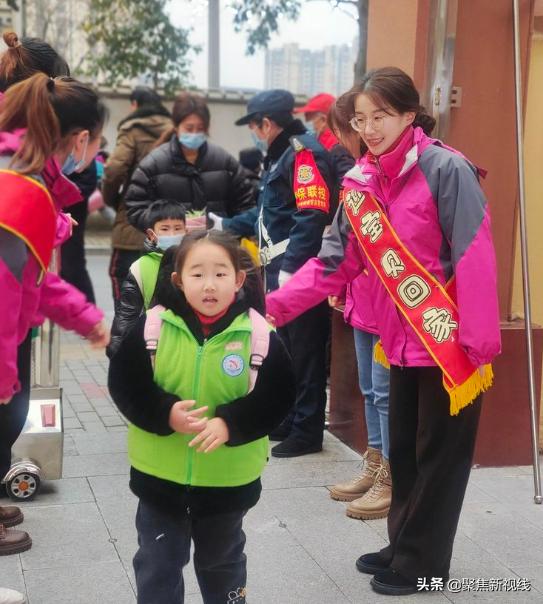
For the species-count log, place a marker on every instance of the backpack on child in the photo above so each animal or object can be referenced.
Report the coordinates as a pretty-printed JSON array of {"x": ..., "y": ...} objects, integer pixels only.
[{"x": 260, "y": 339}]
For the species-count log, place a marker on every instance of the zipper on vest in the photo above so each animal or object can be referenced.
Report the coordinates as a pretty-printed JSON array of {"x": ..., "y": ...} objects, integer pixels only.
[{"x": 195, "y": 388}]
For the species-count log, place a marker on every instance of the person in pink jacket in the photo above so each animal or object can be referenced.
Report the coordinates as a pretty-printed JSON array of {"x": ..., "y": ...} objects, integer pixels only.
[
  {"x": 62, "y": 121},
  {"x": 431, "y": 197}
]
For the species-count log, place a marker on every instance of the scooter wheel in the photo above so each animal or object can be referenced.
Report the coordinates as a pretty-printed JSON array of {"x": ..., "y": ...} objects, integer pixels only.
[{"x": 23, "y": 486}]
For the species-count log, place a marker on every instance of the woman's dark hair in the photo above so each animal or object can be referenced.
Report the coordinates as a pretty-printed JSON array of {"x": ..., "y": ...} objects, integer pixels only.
[
  {"x": 143, "y": 95},
  {"x": 26, "y": 57},
  {"x": 163, "y": 209},
  {"x": 389, "y": 88},
  {"x": 171, "y": 297},
  {"x": 185, "y": 104},
  {"x": 338, "y": 122},
  {"x": 49, "y": 109}
]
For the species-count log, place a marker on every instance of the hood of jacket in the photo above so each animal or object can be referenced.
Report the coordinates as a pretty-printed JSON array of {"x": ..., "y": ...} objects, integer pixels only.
[{"x": 155, "y": 124}]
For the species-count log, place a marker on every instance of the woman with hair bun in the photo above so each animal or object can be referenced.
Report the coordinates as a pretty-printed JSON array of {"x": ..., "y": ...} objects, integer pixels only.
[
  {"x": 415, "y": 217},
  {"x": 26, "y": 57},
  {"x": 62, "y": 121}
]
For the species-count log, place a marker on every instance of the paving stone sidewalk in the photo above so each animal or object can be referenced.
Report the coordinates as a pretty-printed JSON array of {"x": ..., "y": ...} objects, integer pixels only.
[{"x": 301, "y": 547}]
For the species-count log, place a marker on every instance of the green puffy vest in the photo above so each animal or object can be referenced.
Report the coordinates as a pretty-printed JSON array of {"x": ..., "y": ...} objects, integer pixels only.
[
  {"x": 148, "y": 268},
  {"x": 212, "y": 374}
]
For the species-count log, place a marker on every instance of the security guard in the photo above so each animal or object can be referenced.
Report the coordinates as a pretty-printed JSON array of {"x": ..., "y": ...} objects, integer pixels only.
[{"x": 293, "y": 210}]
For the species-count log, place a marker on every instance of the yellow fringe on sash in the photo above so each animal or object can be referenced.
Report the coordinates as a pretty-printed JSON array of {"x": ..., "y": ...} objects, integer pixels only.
[
  {"x": 379, "y": 355},
  {"x": 464, "y": 394},
  {"x": 460, "y": 396}
]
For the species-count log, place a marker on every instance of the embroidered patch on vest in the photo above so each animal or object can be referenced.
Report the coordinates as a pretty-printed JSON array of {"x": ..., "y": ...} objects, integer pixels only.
[
  {"x": 234, "y": 346},
  {"x": 233, "y": 365},
  {"x": 305, "y": 174}
]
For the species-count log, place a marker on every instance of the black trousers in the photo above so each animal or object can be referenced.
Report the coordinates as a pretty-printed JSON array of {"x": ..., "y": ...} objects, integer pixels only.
[
  {"x": 120, "y": 263},
  {"x": 305, "y": 339},
  {"x": 164, "y": 549},
  {"x": 13, "y": 415},
  {"x": 74, "y": 264},
  {"x": 431, "y": 454}
]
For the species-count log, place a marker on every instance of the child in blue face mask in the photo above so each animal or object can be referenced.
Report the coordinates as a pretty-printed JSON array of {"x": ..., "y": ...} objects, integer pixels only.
[{"x": 166, "y": 228}]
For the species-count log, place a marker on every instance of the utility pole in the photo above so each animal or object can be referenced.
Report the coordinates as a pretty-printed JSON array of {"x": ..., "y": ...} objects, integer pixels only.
[{"x": 214, "y": 45}]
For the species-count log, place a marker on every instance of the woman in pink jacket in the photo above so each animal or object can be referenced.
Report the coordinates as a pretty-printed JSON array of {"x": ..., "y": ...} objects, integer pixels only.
[
  {"x": 416, "y": 218},
  {"x": 63, "y": 121}
]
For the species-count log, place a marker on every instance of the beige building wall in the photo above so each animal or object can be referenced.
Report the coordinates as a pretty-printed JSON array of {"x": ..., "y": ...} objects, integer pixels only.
[{"x": 533, "y": 157}]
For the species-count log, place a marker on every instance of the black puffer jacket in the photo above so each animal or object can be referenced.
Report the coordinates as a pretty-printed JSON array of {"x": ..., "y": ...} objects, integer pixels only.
[{"x": 216, "y": 182}]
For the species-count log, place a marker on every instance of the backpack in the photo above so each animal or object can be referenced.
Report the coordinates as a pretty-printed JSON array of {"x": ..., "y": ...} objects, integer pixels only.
[{"x": 260, "y": 339}]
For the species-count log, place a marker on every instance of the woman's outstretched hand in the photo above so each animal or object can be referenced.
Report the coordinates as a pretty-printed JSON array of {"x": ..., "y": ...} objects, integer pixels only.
[
  {"x": 99, "y": 336},
  {"x": 271, "y": 320}
]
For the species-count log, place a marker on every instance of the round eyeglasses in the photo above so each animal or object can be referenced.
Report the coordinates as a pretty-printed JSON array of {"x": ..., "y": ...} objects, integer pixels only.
[{"x": 376, "y": 123}]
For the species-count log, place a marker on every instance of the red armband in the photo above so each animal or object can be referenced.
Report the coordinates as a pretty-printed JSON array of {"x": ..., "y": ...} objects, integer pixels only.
[{"x": 310, "y": 189}]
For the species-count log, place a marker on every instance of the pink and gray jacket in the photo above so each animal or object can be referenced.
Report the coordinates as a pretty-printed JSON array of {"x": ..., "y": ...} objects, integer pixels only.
[
  {"x": 432, "y": 197},
  {"x": 24, "y": 303}
]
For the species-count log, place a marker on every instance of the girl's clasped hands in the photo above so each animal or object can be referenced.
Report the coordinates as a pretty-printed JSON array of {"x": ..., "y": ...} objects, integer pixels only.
[{"x": 211, "y": 433}]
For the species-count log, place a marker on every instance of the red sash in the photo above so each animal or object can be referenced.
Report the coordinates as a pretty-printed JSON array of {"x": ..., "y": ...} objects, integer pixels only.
[
  {"x": 421, "y": 299},
  {"x": 27, "y": 210}
]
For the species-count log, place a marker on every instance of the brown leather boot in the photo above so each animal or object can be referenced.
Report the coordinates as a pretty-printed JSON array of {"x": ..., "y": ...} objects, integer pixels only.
[
  {"x": 13, "y": 542},
  {"x": 376, "y": 502},
  {"x": 355, "y": 488},
  {"x": 10, "y": 515}
]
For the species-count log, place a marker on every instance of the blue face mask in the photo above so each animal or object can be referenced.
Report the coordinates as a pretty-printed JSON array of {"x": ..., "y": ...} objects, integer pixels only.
[
  {"x": 192, "y": 141},
  {"x": 310, "y": 127},
  {"x": 166, "y": 241},
  {"x": 259, "y": 143},
  {"x": 70, "y": 165}
]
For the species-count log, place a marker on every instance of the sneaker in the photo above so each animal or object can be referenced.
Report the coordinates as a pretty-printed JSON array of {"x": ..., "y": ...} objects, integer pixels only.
[
  {"x": 13, "y": 542},
  {"x": 376, "y": 502},
  {"x": 10, "y": 596},
  {"x": 372, "y": 563},
  {"x": 10, "y": 515},
  {"x": 391, "y": 583},
  {"x": 355, "y": 488},
  {"x": 294, "y": 447}
]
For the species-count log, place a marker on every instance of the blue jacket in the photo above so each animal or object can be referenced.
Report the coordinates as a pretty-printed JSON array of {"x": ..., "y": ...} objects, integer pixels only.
[{"x": 281, "y": 216}]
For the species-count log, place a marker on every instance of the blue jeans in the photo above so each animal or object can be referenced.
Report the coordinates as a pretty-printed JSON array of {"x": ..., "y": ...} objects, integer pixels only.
[
  {"x": 164, "y": 549},
  {"x": 374, "y": 380}
]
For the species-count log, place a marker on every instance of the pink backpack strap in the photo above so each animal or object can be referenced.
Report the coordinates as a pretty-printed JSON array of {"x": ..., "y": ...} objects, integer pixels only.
[
  {"x": 260, "y": 344},
  {"x": 151, "y": 331}
]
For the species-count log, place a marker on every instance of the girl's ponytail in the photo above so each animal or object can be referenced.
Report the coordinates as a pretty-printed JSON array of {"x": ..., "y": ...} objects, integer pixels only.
[
  {"x": 50, "y": 110},
  {"x": 424, "y": 120},
  {"x": 28, "y": 105}
]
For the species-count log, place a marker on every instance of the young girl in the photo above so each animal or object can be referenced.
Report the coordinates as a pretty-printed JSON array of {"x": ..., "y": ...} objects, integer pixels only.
[
  {"x": 416, "y": 218},
  {"x": 198, "y": 440}
]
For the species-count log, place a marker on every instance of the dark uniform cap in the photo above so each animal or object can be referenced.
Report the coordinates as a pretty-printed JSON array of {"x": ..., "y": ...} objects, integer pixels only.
[{"x": 266, "y": 102}]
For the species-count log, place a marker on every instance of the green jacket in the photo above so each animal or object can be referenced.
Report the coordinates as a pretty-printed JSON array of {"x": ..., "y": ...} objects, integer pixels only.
[
  {"x": 145, "y": 271},
  {"x": 212, "y": 374}
]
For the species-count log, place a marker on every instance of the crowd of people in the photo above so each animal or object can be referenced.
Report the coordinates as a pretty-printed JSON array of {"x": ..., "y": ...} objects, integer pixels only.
[{"x": 224, "y": 273}]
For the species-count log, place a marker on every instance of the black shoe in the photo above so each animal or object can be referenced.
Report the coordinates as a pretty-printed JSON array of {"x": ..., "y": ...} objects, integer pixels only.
[
  {"x": 294, "y": 447},
  {"x": 372, "y": 563},
  {"x": 280, "y": 433},
  {"x": 390, "y": 583}
]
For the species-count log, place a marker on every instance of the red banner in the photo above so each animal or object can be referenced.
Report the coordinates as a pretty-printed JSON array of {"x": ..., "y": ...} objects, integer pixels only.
[{"x": 27, "y": 210}]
